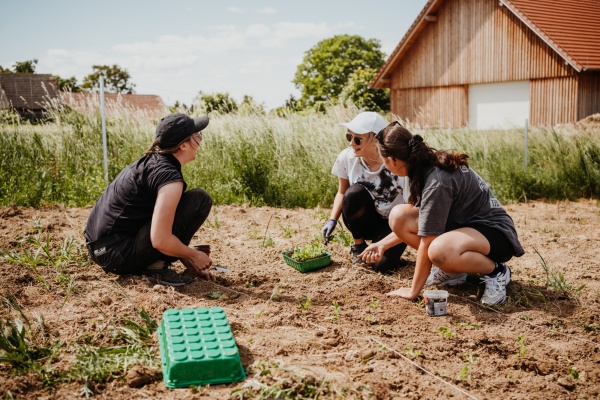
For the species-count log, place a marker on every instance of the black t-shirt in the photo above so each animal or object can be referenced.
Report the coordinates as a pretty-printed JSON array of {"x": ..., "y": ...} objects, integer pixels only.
[{"x": 128, "y": 202}]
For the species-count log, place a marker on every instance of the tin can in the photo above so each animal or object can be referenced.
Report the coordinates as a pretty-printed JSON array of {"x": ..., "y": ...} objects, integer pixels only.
[{"x": 436, "y": 302}]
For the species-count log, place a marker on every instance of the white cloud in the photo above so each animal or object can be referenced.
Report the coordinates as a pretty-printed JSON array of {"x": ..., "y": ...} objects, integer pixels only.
[
  {"x": 236, "y": 10},
  {"x": 258, "y": 30},
  {"x": 267, "y": 10},
  {"x": 295, "y": 30},
  {"x": 175, "y": 46}
]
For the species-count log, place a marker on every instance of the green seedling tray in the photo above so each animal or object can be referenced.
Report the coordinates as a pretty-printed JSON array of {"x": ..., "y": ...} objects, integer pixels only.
[
  {"x": 198, "y": 348},
  {"x": 308, "y": 265}
]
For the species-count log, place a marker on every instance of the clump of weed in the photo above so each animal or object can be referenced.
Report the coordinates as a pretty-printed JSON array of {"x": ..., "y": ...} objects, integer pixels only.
[
  {"x": 26, "y": 346},
  {"x": 556, "y": 280},
  {"x": 272, "y": 380}
]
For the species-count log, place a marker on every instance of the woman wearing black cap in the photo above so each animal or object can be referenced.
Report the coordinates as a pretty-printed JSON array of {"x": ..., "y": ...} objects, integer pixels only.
[{"x": 145, "y": 219}]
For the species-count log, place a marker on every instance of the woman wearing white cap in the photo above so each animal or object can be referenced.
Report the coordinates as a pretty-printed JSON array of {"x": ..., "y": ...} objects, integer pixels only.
[{"x": 367, "y": 192}]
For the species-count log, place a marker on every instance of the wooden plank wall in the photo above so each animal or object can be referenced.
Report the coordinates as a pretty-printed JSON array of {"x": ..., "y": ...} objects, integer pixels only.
[
  {"x": 433, "y": 107},
  {"x": 553, "y": 101},
  {"x": 588, "y": 101},
  {"x": 478, "y": 41}
]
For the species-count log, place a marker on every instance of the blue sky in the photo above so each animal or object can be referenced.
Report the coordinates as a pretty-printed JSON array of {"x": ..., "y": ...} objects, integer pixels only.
[{"x": 178, "y": 48}]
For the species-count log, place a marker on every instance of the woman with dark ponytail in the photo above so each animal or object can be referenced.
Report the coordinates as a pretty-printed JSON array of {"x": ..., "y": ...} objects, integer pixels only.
[{"x": 453, "y": 220}]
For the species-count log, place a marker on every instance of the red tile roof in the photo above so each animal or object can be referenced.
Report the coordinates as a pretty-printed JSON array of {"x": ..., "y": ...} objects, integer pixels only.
[
  {"x": 148, "y": 103},
  {"x": 26, "y": 91},
  {"x": 570, "y": 27}
]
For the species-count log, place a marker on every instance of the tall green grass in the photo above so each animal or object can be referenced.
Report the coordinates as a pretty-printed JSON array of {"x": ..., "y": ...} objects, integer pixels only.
[{"x": 272, "y": 160}]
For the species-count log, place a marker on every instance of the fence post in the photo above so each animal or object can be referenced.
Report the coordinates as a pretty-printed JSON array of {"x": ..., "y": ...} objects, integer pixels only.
[
  {"x": 104, "y": 145},
  {"x": 525, "y": 149}
]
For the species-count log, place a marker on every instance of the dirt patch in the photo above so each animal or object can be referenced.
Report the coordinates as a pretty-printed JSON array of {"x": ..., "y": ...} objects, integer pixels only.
[{"x": 544, "y": 343}]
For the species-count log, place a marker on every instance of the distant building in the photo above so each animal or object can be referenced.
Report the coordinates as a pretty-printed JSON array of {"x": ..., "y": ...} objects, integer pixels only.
[
  {"x": 27, "y": 94},
  {"x": 495, "y": 63},
  {"x": 117, "y": 104}
]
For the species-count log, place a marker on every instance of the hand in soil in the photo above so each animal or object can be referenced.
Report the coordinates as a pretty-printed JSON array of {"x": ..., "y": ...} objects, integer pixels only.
[
  {"x": 405, "y": 293},
  {"x": 193, "y": 270}
]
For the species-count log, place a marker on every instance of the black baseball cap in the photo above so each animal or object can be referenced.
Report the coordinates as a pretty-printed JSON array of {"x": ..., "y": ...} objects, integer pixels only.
[{"x": 175, "y": 128}]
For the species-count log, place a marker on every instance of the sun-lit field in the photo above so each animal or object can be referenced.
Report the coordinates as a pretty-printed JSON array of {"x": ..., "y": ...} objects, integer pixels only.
[{"x": 69, "y": 330}]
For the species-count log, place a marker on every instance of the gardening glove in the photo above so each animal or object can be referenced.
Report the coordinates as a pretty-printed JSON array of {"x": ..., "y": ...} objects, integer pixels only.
[{"x": 328, "y": 230}]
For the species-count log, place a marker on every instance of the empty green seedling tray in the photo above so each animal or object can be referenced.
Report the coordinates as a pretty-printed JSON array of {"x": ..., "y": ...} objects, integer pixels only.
[
  {"x": 198, "y": 348},
  {"x": 308, "y": 265}
]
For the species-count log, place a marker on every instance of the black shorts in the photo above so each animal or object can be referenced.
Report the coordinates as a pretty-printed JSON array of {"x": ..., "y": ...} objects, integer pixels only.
[{"x": 500, "y": 248}]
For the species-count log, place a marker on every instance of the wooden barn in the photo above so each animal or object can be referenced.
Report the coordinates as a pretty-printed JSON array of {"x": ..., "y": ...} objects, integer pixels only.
[
  {"x": 27, "y": 94},
  {"x": 496, "y": 63}
]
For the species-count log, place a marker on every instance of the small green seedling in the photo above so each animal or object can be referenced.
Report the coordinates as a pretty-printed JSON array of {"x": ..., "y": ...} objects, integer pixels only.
[
  {"x": 374, "y": 303},
  {"x": 573, "y": 372},
  {"x": 336, "y": 311},
  {"x": 446, "y": 332},
  {"x": 304, "y": 302},
  {"x": 464, "y": 373},
  {"x": 214, "y": 295},
  {"x": 522, "y": 349},
  {"x": 420, "y": 302},
  {"x": 275, "y": 295},
  {"x": 525, "y": 318},
  {"x": 288, "y": 231},
  {"x": 371, "y": 319},
  {"x": 413, "y": 353},
  {"x": 469, "y": 357},
  {"x": 467, "y": 324}
]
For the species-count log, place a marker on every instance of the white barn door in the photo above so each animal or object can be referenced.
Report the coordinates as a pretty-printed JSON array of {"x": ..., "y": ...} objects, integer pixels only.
[{"x": 501, "y": 105}]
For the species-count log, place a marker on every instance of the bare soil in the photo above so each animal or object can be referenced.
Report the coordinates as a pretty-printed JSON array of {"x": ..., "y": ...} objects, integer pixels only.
[{"x": 543, "y": 343}]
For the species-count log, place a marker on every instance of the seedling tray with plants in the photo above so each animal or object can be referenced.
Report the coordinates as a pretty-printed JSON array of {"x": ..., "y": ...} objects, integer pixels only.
[{"x": 307, "y": 258}]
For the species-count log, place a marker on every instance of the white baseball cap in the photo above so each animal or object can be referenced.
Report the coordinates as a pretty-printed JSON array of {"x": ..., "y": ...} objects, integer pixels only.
[{"x": 365, "y": 122}]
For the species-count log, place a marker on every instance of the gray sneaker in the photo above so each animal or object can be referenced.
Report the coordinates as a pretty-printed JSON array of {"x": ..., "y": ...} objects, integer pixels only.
[
  {"x": 167, "y": 277},
  {"x": 437, "y": 277},
  {"x": 495, "y": 287}
]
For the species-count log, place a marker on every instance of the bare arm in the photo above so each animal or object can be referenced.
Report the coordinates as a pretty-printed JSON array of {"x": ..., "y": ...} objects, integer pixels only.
[
  {"x": 422, "y": 269},
  {"x": 161, "y": 230},
  {"x": 336, "y": 209}
]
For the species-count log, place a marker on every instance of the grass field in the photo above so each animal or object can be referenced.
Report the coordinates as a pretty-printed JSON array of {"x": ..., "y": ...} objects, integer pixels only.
[{"x": 275, "y": 161}]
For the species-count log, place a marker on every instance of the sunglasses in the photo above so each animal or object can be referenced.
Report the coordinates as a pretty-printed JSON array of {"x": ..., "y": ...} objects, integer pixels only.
[
  {"x": 197, "y": 137},
  {"x": 357, "y": 139}
]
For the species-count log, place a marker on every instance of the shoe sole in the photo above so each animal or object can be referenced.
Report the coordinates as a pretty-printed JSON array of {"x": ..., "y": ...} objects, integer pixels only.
[
  {"x": 164, "y": 282},
  {"x": 450, "y": 282}
]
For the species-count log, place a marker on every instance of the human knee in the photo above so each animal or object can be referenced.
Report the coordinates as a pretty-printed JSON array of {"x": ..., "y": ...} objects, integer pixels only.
[
  {"x": 401, "y": 217},
  {"x": 356, "y": 193},
  {"x": 442, "y": 254},
  {"x": 201, "y": 198}
]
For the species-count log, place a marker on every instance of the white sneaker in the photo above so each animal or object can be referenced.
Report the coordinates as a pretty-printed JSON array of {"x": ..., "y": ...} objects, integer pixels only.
[
  {"x": 495, "y": 287},
  {"x": 437, "y": 277}
]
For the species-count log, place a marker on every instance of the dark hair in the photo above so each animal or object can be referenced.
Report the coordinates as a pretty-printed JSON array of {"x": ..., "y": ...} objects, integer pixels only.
[
  {"x": 397, "y": 142},
  {"x": 155, "y": 147}
]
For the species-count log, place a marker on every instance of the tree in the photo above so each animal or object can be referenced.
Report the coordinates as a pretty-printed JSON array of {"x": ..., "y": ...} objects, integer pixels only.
[
  {"x": 358, "y": 92},
  {"x": 25, "y": 67},
  {"x": 67, "y": 85},
  {"x": 116, "y": 79},
  {"x": 219, "y": 102},
  {"x": 5, "y": 70},
  {"x": 326, "y": 67}
]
